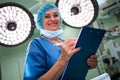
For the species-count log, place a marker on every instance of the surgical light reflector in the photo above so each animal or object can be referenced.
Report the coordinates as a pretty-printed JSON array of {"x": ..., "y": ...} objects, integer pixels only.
[
  {"x": 78, "y": 13},
  {"x": 16, "y": 24}
]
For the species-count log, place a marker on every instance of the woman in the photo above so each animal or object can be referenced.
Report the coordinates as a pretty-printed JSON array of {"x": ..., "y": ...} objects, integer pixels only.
[{"x": 45, "y": 59}]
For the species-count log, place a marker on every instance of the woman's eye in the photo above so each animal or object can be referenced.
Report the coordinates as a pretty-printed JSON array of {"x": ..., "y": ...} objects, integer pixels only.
[
  {"x": 56, "y": 15},
  {"x": 47, "y": 16}
]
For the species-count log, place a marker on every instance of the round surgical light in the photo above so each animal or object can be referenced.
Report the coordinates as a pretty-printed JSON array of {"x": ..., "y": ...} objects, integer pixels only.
[
  {"x": 16, "y": 24},
  {"x": 78, "y": 13}
]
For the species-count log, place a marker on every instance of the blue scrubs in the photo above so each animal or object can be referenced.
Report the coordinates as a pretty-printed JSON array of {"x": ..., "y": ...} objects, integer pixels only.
[{"x": 41, "y": 56}]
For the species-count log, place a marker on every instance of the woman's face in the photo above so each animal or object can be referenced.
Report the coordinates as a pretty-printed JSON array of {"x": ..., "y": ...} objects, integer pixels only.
[{"x": 51, "y": 20}]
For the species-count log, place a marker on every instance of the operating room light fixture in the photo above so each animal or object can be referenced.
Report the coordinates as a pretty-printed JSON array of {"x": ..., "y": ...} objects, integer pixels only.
[
  {"x": 78, "y": 13},
  {"x": 16, "y": 24}
]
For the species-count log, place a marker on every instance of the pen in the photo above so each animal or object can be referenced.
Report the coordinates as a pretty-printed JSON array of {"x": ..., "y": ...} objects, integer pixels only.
[{"x": 58, "y": 44}]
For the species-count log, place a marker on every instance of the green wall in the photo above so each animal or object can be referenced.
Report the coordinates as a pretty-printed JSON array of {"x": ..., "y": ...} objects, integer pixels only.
[{"x": 12, "y": 60}]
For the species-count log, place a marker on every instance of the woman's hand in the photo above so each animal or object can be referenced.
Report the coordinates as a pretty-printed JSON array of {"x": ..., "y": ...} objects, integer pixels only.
[
  {"x": 92, "y": 61},
  {"x": 68, "y": 49}
]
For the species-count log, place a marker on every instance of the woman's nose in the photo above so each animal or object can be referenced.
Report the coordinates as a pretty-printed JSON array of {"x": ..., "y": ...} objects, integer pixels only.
[{"x": 52, "y": 18}]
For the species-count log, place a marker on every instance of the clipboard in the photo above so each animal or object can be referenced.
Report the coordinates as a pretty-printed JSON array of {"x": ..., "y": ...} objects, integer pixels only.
[{"x": 89, "y": 40}]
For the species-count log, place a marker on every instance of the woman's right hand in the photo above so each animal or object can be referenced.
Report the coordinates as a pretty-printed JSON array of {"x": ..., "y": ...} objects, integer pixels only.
[{"x": 68, "y": 49}]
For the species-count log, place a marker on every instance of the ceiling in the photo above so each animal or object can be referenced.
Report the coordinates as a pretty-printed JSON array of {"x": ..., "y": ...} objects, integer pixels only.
[
  {"x": 33, "y": 5},
  {"x": 109, "y": 8}
]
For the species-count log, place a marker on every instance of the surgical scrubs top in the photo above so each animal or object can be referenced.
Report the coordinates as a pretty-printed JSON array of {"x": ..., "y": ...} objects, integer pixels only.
[{"x": 41, "y": 56}]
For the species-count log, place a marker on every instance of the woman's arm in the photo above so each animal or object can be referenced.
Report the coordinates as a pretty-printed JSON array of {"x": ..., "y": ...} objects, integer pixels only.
[
  {"x": 55, "y": 72},
  {"x": 67, "y": 51}
]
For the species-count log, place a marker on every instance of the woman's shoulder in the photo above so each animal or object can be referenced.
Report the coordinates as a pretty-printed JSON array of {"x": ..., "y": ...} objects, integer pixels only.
[
  {"x": 36, "y": 40},
  {"x": 35, "y": 44},
  {"x": 39, "y": 41}
]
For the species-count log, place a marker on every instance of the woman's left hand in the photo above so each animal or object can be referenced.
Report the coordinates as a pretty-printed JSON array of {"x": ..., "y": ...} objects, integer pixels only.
[{"x": 92, "y": 61}]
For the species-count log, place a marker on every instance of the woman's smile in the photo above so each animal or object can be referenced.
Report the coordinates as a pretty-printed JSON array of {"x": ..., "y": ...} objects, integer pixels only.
[{"x": 51, "y": 20}]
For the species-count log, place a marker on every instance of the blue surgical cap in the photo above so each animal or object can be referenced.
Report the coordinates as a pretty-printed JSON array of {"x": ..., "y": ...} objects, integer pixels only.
[{"x": 42, "y": 11}]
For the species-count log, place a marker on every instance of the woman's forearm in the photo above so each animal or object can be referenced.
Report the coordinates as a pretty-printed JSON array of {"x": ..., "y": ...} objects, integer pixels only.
[{"x": 55, "y": 72}]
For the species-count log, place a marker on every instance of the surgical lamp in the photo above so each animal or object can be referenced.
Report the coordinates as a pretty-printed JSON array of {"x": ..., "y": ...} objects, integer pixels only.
[
  {"x": 78, "y": 13},
  {"x": 16, "y": 24}
]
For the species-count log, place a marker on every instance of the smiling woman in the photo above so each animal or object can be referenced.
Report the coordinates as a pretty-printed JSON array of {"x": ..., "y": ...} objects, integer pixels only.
[
  {"x": 51, "y": 20},
  {"x": 45, "y": 60}
]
